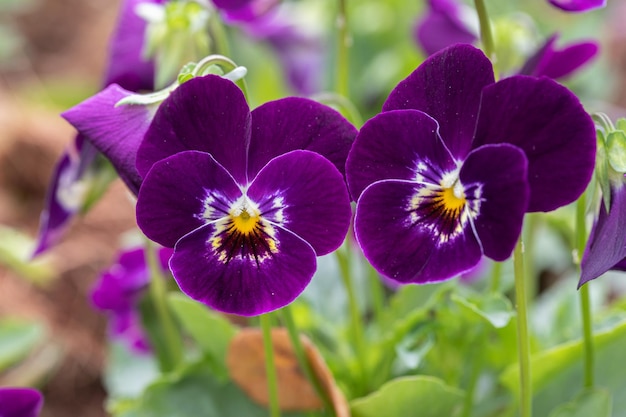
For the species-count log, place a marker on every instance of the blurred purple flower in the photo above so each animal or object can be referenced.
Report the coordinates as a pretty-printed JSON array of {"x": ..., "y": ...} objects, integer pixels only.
[
  {"x": 245, "y": 10},
  {"x": 20, "y": 402},
  {"x": 578, "y": 5},
  {"x": 441, "y": 26},
  {"x": 120, "y": 288},
  {"x": 556, "y": 63}
]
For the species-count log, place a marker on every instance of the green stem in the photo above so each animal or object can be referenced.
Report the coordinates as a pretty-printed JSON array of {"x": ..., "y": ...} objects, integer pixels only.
[
  {"x": 523, "y": 343},
  {"x": 585, "y": 302},
  {"x": 377, "y": 291},
  {"x": 496, "y": 277},
  {"x": 172, "y": 341},
  {"x": 305, "y": 365},
  {"x": 270, "y": 367},
  {"x": 219, "y": 34},
  {"x": 485, "y": 29},
  {"x": 476, "y": 366},
  {"x": 343, "y": 43}
]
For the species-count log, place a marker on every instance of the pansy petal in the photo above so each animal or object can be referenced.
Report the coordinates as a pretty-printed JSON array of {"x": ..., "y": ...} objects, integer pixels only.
[
  {"x": 499, "y": 174},
  {"x": 298, "y": 123},
  {"x": 208, "y": 114},
  {"x": 606, "y": 247},
  {"x": 245, "y": 280},
  {"x": 182, "y": 193},
  {"x": 558, "y": 63},
  {"x": 116, "y": 131},
  {"x": 548, "y": 122},
  {"x": 20, "y": 402},
  {"x": 304, "y": 193},
  {"x": 447, "y": 87},
  {"x": 578, "y": 5},
  {"x": 442, "y": 26},
  {"x": 406, "y": 248},
  {"x": 401, "y": 144}
]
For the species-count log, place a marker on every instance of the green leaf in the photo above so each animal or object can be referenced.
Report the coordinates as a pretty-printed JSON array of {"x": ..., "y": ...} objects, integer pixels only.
[
  {"x": 128, "y": 374},
  {"x": 494, "y": 308},
  {"x": 616, "y": 150},
  {"x": 401, "y": 397},
  {"x": 17, "y": 339},
  {"x": 592, "y": 402},
  {"x": 210, "y": 330}
]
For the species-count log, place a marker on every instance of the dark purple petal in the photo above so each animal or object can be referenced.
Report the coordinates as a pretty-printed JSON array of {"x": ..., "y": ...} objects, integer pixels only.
[
  {"x": 548, "y": 122},
  {"x": 606, "y": 247},
  {"x": 447, "y": 87},
  {"x": 208, "y": 114},
  {"x": 402, "y": 144},
  {"x": 441, "y": 27},
  {"x": 558, "y": 63},
  {"x": 578, "y": 5},
  {"x": 295, "y": 123},
  {"x": 304, "y": 193},
  {"x": 231, "y": 4},
  {"x": 250, "y": 11},
  {"x": 405, "y": 244},
  {"x": 181, "y": 193},
  {"x": 243, "y": 277},
  {"x": 499, "y": 173},
  {"x": 20, "y": 402},
  {"x": 116, "y": 131},
  {"x": 126, "y": 64}
]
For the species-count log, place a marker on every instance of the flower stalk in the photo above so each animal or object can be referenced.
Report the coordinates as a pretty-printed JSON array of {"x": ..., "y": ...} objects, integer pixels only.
[
  {"x": 525, "y": 394},
  {"x": 343, "y": 38},
  {"x": 486, "y": 36},
  {"x": 270, "y": 366}
]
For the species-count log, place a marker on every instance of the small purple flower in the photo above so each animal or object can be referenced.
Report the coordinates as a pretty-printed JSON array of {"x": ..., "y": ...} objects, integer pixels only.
[
  {"x": 248, "y": 199},
  {"x": 20, "y": 402},
  {"x": 119, "y": 289},
  {"x": 443, "y": 25},
  {"x": 446, "y": 173},
  {"x": 578, "y": 5}
]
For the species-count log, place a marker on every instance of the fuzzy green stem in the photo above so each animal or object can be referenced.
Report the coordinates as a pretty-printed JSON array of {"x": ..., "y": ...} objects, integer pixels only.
[
  {"x": 343, "y": 43},
  {"x": 525, "y": 394},
  {"x": 496, "y": 277},
  {"x": 305, "y": 365},
  {"x": 585, "y": 302},
  {"x": 172, "y": 341},
  {"x": 485, "y": 29},
  {"x": 270, "y": 367}
]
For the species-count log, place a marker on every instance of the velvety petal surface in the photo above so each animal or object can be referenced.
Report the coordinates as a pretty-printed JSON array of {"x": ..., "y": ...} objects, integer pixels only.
[
  {"x": 407, "y": 249},
  {"x": 578, "y": 5},
  {"x": 114, "y": 131},
  {"x": 558, "y": 63},
  {"x": 240, "y": 282},
  {"x": 20, "y": 402},
  {"x": 208, "y": 114},
  {"x": 298, "y": 123},
  {"x": 606, "y": 247},
  {"x": 401, "y": 144},
  {"x": 498, "y": 173},
  {"x": 441, "y": 27},
  {"x": 548, "y": 122},
  {"x": 181, "y": 193},
  {"x": 304, "y": 193},
  {"x": 447, "y": 87}
]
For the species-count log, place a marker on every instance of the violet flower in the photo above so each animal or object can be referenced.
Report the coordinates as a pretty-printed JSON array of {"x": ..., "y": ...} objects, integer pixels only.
[
  {"x": 119, "y": 290},
  {"x": 125, "y": 67},
  {"x": 248, "y": 199},
  {"x": 442, "y": 25},
  {"x": 20, "y": 402},
  {"x": 446, "y": 173},
  {"x": 578, "y": 5}
]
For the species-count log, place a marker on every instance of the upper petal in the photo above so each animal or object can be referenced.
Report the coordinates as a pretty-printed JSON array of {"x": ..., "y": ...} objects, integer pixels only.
[
  {"x": 298, "y": 123},
  {"x": 181, "y": 193},
  {"x": 557, "y": 63},
  {"x": 548, "y": 122},
  {"x": 447, "y": 86},
  {"x": 402, "y": 144},
  {"x": 247, "y": 280},
  {"x": 208, "y": 114},
  {"x": 114, "y": 131},
  {"x": 578, "y": 5},
  {"x": 304, "y": 193},
  {"x": 499, "y": 173},
  {"x": 20, "y": 402},
  {"x": 442, "y": 26}
]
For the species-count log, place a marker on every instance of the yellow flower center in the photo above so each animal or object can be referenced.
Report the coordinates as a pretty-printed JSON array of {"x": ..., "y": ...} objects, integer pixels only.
[
  {"x": 452, "y": 199},
  {"x": 244, "y": 222}
]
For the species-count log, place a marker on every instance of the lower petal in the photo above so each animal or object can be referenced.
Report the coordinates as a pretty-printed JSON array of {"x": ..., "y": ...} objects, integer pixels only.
[
  {"x": 246, "y": 283},
  {"x": 405, "y": 248}
]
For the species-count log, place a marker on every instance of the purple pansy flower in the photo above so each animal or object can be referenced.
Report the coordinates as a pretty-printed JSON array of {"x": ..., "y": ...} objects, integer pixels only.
[
  {"x": 443, "y": 25},
  {"x": 446, "y": 173},
  {"x": 20, "y": 402},
  {"x": 578, "y": 5},
  {"x": 119, "y": 289},
  {"x": 248, "y": 199},
  {"x": 125, "y": 67}
]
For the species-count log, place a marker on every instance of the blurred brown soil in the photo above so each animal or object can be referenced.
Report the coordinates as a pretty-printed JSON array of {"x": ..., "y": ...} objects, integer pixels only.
[{"x": 64, "y": 40}]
